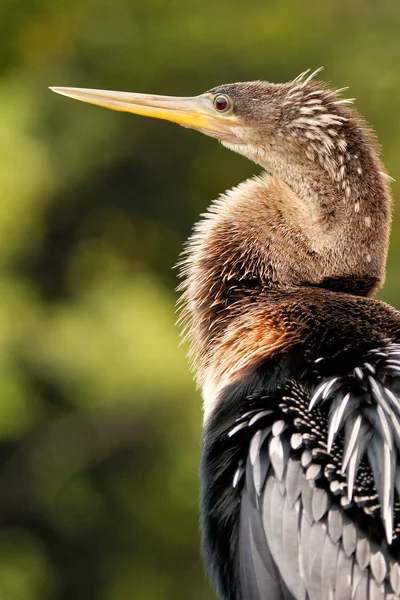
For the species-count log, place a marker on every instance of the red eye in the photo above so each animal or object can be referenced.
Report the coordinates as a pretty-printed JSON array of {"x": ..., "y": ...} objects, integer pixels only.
[{"x": 222, "y": 103}]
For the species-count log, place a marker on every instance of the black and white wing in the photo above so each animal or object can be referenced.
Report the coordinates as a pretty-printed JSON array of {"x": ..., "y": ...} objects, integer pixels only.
[{"x": 319, "y": 508}]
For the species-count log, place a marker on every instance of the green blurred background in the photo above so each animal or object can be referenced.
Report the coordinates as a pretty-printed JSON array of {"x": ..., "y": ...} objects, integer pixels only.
[{"x": 99, "y": 417}]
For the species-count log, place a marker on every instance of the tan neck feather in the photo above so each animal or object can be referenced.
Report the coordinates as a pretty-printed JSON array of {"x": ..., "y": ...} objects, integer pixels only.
[{"x": 261, "y": 237}]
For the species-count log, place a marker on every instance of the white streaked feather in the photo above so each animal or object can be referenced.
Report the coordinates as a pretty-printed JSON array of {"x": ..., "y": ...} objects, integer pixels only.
[
  {"x": 375, "y": 388},
  {"x": 359, "y": 373},
  {"x": 314, "y": 398},
  {"x": 328, "y": 388},
  {"x": 385, "y": 427},
  {"x": 351, "y": 473},
  {"x": 387, "y": 176},
  {"x": 351, "y": 445},
  {"x": 392, "y": 362},
  {"x": 312, "y": 75},
  {"x": 394, "y": 399},
  {"x": 238, "y": 475},
  {"x": 335, "y": 421},
  {"x": 344, "y": 101},
  {"x": 370, "y": 368},
  {"x": 301, "y": 76},
  {"x": 322, "y": 392}
]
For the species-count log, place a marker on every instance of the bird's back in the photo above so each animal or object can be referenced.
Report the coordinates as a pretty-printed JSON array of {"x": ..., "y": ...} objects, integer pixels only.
[{"x": 300, "y": 466}]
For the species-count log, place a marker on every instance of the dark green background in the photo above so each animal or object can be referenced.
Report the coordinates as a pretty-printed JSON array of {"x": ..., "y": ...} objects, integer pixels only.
[{"x": 99, "y": 418}]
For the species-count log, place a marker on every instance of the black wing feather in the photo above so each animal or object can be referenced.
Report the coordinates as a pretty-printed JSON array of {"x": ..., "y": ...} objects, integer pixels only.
[
  {"x": 259, "y": 575},
  {"x": 301, "y": 492},
  {"x": 318, "y": 548}
]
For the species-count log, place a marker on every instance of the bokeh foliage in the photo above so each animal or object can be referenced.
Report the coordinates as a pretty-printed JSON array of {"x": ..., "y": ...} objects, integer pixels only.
[{"x": 99, "y": 418}]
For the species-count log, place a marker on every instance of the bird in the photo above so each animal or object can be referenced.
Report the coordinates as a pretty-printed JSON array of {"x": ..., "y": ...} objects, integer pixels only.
[{"x": 298, "y": 363}]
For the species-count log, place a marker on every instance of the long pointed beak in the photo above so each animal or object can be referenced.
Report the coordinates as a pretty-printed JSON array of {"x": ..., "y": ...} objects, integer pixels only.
[{"x": 197, "y": 112}]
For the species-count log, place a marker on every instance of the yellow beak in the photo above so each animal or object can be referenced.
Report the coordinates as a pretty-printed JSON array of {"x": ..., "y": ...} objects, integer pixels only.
[{"x": 197, "y": 112}]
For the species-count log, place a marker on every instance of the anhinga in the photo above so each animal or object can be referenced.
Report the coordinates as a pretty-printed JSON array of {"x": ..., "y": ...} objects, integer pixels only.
[{"x": 299, "y": 367}]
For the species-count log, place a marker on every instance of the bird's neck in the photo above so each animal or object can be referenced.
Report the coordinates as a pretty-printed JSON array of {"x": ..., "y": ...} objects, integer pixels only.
[{"x": 273, "y": 233}]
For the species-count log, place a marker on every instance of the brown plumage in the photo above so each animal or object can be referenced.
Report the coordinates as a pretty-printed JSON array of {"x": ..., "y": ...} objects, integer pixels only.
[
  {"x": 299, "y": 366},
  {"x": 321, "y": 218}
]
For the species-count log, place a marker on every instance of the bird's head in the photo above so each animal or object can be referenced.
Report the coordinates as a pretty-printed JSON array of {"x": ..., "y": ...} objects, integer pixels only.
[{"x": 253, "y": 118}]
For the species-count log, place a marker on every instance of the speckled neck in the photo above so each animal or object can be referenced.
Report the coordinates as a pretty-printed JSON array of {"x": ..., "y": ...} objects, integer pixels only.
[{"x": 321, "y": 219}]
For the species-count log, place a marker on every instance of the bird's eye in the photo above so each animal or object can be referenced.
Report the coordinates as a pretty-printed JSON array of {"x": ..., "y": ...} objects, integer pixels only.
[{"x": 222, "y": 103}]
